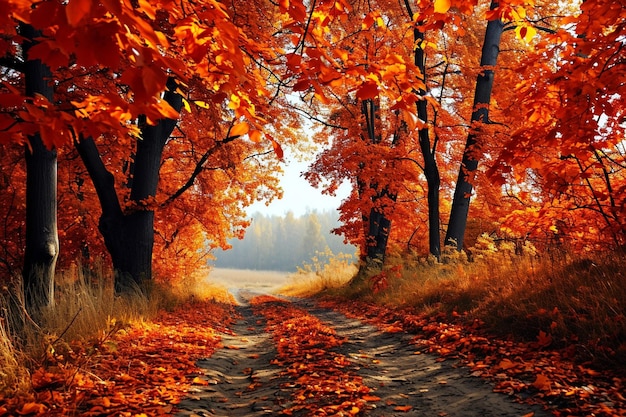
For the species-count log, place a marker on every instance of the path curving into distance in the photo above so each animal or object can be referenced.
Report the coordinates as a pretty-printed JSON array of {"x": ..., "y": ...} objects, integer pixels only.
[{"x": 296, "y": 358}]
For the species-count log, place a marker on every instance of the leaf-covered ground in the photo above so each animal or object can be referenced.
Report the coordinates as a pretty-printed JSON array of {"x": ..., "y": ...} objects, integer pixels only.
[
  {"x": 297, "y": 358},
  {"x": 140, "y": 370},
  {"x": 276, "y": 357}
]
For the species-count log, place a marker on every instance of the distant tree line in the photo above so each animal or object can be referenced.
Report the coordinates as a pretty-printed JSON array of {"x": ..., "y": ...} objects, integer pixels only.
[{"x": 282, "y": 243}]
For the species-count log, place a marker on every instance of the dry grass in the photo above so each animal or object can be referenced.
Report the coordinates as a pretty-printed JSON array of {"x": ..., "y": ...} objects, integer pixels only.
[
  {"x": 14, "y": 376},
  {"x": 196, "y": 286},
  {"x": 324, "y": 272},
  {"x": 580, "y": 302},
  {"x": 86, "y": 308}
]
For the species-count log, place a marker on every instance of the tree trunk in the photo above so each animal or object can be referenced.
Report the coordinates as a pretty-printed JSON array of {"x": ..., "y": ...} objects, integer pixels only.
[
  {"x": 42, "y": 241},
  {"x": 377, "y": 225},
  {"x": 431, "y": 171},
  {"x": 129, "y": 237},
  {"x": 480, "y": 115},
  {"x": 112, "y": 220},
  {"x": 136, "y": 260},
  {"x": 378, "y": 236}
]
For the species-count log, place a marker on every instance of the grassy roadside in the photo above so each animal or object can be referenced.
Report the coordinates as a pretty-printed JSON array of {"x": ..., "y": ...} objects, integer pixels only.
[
  {"x": 86, "y": 312},
  {"x": 564, "y": 299},
  {"x": 319, "y": 275}
]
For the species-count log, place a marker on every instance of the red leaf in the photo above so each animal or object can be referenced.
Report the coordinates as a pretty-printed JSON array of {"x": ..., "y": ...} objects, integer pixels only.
[
  {"x": 76, "y": 10},
  {"x": 302, "y": 85},
  {"x": 522, "y": 32},
  {"x": 114, "y": 6},
  {"x": 278, "y": 150},
  {"x": 368, "y": 90},
  {"x": 544, "y": 339}
]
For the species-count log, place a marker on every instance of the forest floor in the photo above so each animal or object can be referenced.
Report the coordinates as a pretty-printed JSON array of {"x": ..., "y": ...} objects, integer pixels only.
[
  {"x": 272, "y": 356},
  {"x": 297, "y": 358}
]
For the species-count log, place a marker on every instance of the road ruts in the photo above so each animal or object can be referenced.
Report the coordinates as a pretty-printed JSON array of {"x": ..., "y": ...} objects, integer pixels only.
[
  {"x": 243, "y": 381},
  {"x": 389, "y": 363}
]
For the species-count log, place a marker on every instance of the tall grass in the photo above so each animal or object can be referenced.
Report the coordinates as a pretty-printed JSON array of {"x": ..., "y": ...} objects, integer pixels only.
[
  {"x": 85, "y": 308},
  {"x": 14, "y": 376},
  {"x": 325, "y": 271},
  {"x": 578, "y": 301}
]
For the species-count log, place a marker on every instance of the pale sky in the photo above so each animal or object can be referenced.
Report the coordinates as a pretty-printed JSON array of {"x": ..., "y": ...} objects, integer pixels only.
[{"x": 299, "y": 197}]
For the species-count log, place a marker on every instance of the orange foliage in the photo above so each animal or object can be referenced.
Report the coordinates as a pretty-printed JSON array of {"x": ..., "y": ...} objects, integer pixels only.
[
  {"x": 323, "y": 382},
  {"x": 568, "y": 156},
  {"x": 144, "y": 368},
  {"x": 553, "y": 148},
  {"x": 551, "y": 374},
  {"x": 452, "y": 44},
  {"x": 216, "y": 153}
]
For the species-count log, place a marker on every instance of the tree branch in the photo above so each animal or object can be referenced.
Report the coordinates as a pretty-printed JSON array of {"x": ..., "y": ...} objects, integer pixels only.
[
  {"x": 12, "y": 62},
  {"x": 197, "y": 170}
]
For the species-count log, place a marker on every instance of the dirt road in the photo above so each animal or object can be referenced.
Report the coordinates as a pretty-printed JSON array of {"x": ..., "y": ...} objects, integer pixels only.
[{"x": 245, "y": 379}]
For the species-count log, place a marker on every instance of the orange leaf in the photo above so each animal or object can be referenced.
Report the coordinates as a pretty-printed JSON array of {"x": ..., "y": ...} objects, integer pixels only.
[
  {"x": 442, "y": 6},
  {"x": 199, "y": 381},
  {"x": 506, "y": 364},
  {"x": 31, "y": 408},
  {"x": 166, "y": 110},
  {"x": 255, "y": 136},
  {"x": 371, "y": 398},
  {"x": 239, "y": 129},
  {"x": 542, "y": 383},
  {"x": 403, "y": 408}
]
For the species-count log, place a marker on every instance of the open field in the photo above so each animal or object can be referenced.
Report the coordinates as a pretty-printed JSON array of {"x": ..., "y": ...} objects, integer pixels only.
[{"x": 261, "y": 281}]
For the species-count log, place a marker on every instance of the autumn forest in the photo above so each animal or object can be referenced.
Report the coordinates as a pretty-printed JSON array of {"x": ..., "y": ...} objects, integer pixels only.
[{"x": 134, "y": 134}]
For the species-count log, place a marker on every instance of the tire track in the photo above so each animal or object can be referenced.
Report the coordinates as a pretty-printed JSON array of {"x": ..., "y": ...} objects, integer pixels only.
[
  {"x": 403, "y": 376},
  {"x": 243, "y": 380}
]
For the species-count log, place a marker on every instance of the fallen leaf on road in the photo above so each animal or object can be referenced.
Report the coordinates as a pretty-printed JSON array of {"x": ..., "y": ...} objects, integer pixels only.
[{"x": 403, "y": 408}]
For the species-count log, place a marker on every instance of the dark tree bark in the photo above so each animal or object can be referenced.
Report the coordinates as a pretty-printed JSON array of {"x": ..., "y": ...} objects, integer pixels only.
[
  {"x": 431, "y": 170},
  {"x": 378, "y": 236},
  {"x": 480, "y": 115},
  {"x": 376, "y": 224},
  {"x": 42, "y": 242},
  {"x": 129, "y": 237}
]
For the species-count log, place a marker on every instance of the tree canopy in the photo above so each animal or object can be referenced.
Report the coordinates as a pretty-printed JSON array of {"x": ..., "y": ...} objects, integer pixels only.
[{"x": 169, "y": 118}]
